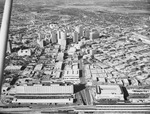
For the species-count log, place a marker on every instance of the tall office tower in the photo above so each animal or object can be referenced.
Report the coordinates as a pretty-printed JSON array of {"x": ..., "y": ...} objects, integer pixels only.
[
  {"x": 9, "y": 46},
  {"x": 54, "y": 37},
  {"x": 86, "y": 33},
  {"x": 75, "y": 36},
  {"x": 79, "y": 29},
  {"x": 61, "y": 36},
  {"x": 94, "y": 35}
]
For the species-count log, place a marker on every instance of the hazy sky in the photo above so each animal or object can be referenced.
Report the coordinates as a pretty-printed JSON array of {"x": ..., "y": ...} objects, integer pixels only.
[{"x": 80, "y": 1}]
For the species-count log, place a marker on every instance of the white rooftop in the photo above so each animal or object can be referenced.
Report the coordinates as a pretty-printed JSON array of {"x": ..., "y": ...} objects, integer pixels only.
[
  {"x": 109, "y": 89},
  {"x": 43, "y": 89},
  {"x": 13, "y": 67}
]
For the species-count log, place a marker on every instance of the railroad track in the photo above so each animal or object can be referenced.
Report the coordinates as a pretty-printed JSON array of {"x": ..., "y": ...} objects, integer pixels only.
[
  {"x": 139, "y": 109},
  {"x": 113, "y": 109}
]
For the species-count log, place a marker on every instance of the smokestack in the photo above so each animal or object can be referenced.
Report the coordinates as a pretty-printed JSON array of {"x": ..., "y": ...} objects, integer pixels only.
[{"x": 4, "y": 36}]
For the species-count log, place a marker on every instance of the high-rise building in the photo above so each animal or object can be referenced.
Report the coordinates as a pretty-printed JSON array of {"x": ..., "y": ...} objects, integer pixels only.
[
  {"x": 9, "y": 46},
  {"x": 94, "y": 35},
  {"x": 54, "y": 37},
  {"x": 86, "y": 33},
  {"x": 79, "y": 29},
  {"x": 75, "y": 36},
  {"x": 61, "y": 35},
  {"x": 58, "y": 37}
]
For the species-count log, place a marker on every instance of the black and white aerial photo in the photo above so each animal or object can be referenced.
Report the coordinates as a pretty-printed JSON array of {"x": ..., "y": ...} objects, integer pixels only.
[{"x": 76, "y": 57}]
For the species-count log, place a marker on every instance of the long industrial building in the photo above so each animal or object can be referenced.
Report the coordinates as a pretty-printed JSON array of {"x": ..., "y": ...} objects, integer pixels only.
[
  {"x": 112, "y": 92},
  {"x": 61, "y": 94}
]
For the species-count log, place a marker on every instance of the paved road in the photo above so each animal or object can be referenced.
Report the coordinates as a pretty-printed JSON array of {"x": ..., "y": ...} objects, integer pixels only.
[
  {"x": 87, "y": 93},
  {"x": 79, "y": 99}
]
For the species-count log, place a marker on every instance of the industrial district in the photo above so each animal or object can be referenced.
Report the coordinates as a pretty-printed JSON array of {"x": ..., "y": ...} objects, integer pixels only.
[{"x": 75, "y": 64}]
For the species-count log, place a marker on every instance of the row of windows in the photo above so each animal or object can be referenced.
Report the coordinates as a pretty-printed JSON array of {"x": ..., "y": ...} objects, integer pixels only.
[
  {"x": 143, "y": 91},
  {"x": 43, "y": 97}
]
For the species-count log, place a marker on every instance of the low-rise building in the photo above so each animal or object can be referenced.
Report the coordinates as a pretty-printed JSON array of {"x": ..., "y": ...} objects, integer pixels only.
[
  {"x": 140, "y": 98},
  {"x": 60, "y": 56},
  {"x": 13, "y": 68},
  {"x": 40, "y": 42},
  {"x": 24, "y": 52},
  {"x": 138, "y": 91},
  {"x": 38, "y": 67},
  {"x": 58, "y": 66},
  {"x": 63, "y": 44},
  {"x": 102, "y": 80},
  {"x": 113, "y": 92},
  {"x": 71, "y": 75},
  {"x": 125, "y": 82},
  {"x": 60, "y": 94},
  {"x": 72, "y": 50}
]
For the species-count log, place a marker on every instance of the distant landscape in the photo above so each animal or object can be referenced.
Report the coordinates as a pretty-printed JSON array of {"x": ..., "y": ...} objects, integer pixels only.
[
  {"x": 52, "y": 6},
  {"x": 107, "y": 4},
  {"x": 127, "y": 4}
]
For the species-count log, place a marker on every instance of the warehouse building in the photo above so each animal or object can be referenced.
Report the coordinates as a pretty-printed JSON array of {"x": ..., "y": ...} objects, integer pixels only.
[
  {"x": 54, "y": 93},
  {"x": 139, "y": 98},
  {"x": 110, "y": 92}
]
